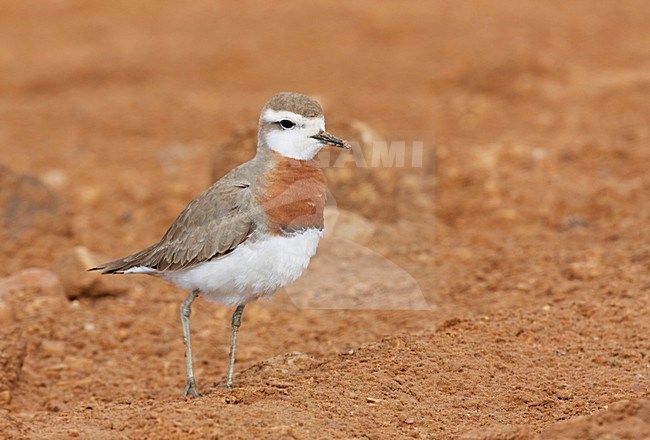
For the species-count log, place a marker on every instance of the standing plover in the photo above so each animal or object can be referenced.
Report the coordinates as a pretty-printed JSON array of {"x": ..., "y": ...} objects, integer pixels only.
[{"x": 252, "y": 232}]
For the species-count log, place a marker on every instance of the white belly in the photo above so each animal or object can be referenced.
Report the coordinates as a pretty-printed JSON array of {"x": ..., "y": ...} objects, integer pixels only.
[{"x": 255, "y": 268}]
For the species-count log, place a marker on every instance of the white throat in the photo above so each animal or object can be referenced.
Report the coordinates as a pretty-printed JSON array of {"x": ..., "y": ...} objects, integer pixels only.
[{"x": 296, "y": 142}]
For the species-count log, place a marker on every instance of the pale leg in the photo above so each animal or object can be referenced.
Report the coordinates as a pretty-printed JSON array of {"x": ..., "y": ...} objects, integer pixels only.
[
  {"x": 236, "y": 322},
  {"x": 186, "y": 310}
]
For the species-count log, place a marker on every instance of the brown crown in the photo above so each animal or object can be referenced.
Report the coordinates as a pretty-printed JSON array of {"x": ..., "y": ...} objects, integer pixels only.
[{"x": 296, "y": 103}]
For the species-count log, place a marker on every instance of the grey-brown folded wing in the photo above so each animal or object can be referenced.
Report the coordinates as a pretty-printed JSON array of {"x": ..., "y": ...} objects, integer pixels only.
[{"x": 212, "y": 225}]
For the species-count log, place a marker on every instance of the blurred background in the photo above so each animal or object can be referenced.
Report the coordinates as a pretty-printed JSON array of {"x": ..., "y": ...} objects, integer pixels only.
[{"x": 532, "y": 196}]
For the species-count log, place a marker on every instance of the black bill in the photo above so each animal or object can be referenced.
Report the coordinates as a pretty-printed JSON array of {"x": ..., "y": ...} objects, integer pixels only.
[{"x": 328, "y": 139}]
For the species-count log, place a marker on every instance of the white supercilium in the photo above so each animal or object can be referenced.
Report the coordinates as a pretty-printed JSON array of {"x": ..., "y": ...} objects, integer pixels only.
[{"x": 296, "y": 142}]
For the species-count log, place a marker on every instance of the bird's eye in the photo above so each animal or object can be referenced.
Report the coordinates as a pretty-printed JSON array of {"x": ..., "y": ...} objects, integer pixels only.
[{"x": 287, "y": 124}]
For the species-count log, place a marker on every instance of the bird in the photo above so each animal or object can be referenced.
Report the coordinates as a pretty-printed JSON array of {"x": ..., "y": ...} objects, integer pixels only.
[{"x": 252, "y": 232}]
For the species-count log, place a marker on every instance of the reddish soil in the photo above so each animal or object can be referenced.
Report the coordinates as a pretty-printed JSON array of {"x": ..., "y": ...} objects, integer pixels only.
[{"x": 527, "y": 228}]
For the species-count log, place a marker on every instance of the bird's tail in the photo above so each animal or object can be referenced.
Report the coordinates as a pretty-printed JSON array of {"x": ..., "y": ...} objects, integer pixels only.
[{"x": 122, "y": 265}]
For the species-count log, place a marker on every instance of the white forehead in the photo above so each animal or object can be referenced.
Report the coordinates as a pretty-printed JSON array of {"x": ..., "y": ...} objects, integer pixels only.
[{"x": 271, "y": 115}]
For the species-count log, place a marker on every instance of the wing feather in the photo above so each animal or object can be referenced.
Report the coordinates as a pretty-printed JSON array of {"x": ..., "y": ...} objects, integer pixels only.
[{"x": 212, "y": 225}]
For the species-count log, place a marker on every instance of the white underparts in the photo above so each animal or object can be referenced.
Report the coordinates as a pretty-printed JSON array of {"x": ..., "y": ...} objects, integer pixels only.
[
  {"x": 256, "y": 268},
  {"x": 140, "y": 269},
  {"x": 296, "y": 142}
]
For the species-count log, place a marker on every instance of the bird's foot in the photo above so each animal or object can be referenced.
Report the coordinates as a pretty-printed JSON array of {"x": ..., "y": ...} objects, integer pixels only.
[{"x": 190, "y": 389}]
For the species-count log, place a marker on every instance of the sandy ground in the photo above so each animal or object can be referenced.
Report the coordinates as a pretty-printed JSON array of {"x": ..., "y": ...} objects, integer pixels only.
[{"x": 504, "y": 290}]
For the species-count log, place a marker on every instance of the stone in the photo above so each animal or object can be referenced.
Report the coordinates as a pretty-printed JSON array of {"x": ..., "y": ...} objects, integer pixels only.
[
  {"x": 583, "y": 270},
  {"x": 373, "y": 282},
  {"x": 31, "y": 291},
  {"x": 349, "y": 225},
  {"x": 26, "y": 203},
  {"x": 34, "y": 221},
  {"x": 5, "y": 397},
  {"x": 37, "y": 282},
  {"x": 54, "y": 178},
  {"x": 72, "y": 269},
  {"x": 364, "y": 179}
]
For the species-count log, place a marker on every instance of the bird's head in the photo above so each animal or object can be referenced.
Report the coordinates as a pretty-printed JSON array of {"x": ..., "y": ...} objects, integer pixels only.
[{"x": 293, "y": 125}]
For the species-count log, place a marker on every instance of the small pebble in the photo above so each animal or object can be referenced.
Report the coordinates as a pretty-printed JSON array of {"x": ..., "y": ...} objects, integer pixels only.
[
  {"x": 5, "y": 397},
  {"x": 232, "y": 400}
]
